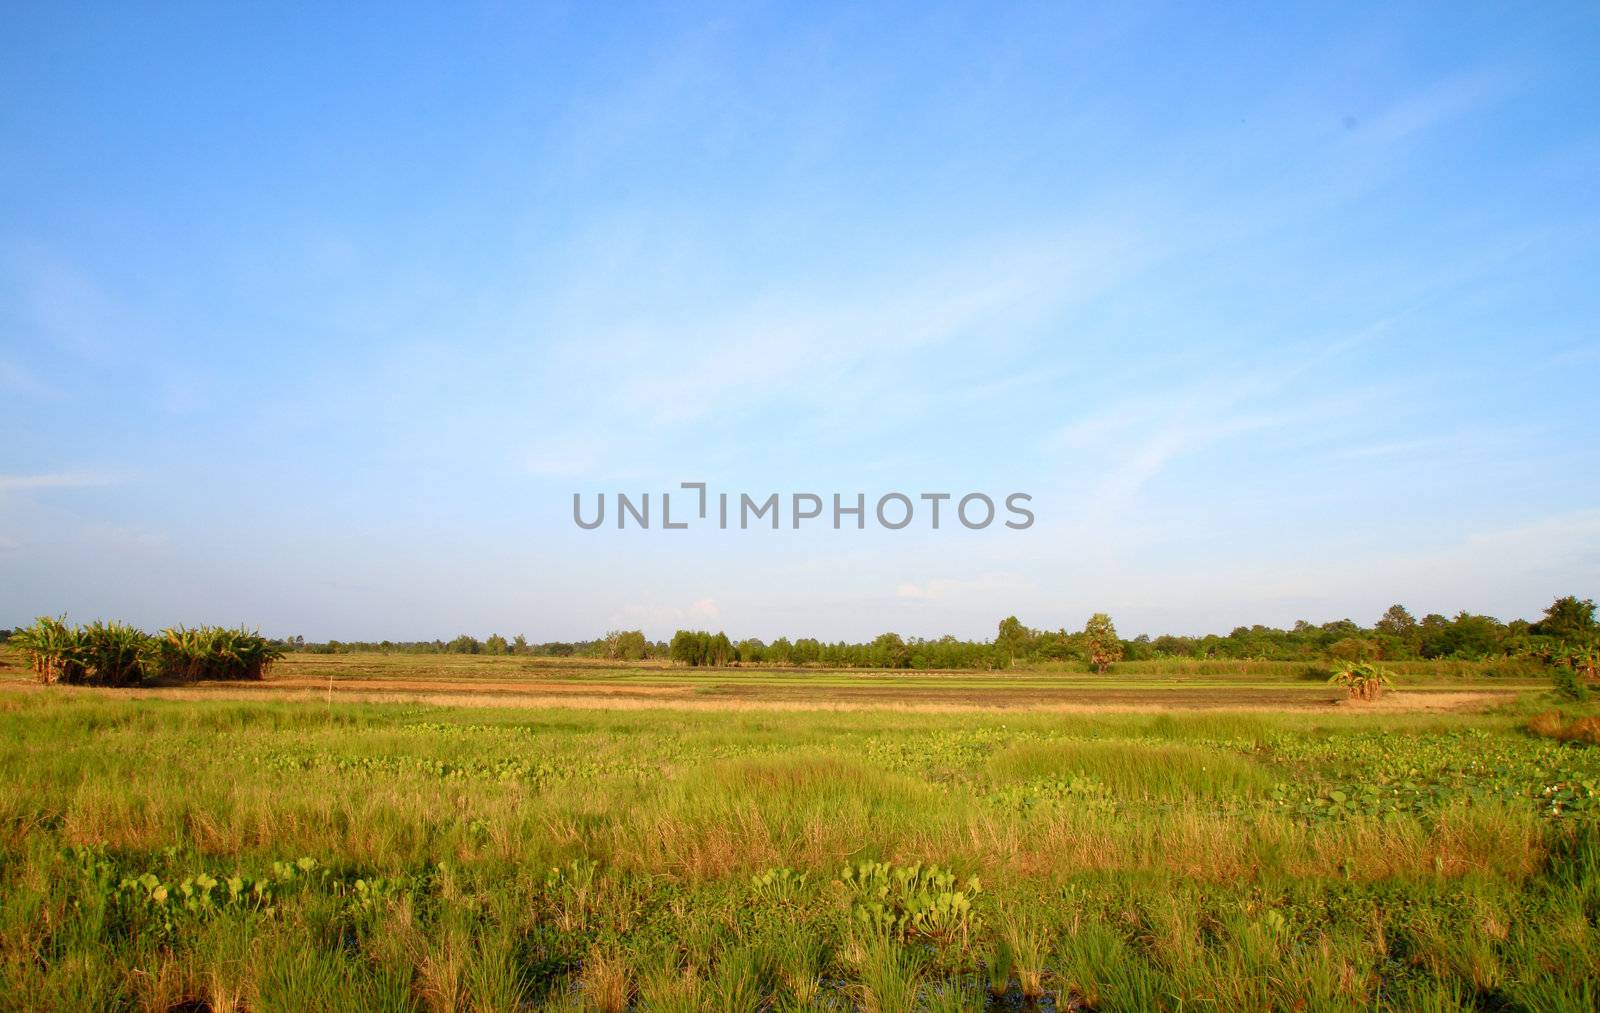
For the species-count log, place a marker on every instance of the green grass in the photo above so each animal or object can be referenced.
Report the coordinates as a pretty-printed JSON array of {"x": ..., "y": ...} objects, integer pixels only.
[
  {"x": 1136, "y": 769},
  {"x": 277, "y": 855}
]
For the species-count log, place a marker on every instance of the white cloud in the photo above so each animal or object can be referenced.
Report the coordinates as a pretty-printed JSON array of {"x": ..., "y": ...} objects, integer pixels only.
[
  {"x": 945, "y": 588},
  {"x": 658, "y": 619},
  {"x": 705, "y": 608}
]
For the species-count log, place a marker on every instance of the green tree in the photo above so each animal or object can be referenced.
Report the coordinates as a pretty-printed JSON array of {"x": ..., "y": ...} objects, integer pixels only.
[
  {"x": 1354, "y": 649},
  {"x": 685, "y": 648},
  {"x": 780, "y": 652},
  {"x": 1011, "y": 639},
  {"x": 1397, "y": 622},
  {"x": 1568, "y": 619},
  {"x": 1434, "y": 634},
  {"x": 1101, "y": 642},
  {"x": 890, "y": 651},
  {"x": 1475, "y": 636},
  {"x": 626, "y": 645}
]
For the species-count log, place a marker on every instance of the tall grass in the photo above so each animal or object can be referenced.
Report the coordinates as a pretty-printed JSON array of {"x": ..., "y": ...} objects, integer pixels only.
[
  {"x": 398, "y": 857},
  {"x": 1135, "y": 769}
]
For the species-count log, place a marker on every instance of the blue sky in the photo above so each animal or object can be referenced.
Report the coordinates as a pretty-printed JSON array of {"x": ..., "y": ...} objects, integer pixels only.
[{"x": 316, "y": 319}]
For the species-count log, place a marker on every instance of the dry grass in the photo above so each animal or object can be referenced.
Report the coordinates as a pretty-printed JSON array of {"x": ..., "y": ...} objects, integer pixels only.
[
  {"x": 606, "y": 982},
  {"x": 1551, "y": 725}
]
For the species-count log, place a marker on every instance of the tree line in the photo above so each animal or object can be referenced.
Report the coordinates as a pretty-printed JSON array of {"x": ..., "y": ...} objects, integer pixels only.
[{"x": 1567, "y": 626}]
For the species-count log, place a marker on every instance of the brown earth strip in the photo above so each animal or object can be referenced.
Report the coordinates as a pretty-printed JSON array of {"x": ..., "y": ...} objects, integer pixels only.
[{"x": 797, "y": 698}]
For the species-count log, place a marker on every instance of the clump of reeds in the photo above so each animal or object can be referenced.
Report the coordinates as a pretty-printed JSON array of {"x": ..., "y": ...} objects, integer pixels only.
[{"x": 891, "y": 975}]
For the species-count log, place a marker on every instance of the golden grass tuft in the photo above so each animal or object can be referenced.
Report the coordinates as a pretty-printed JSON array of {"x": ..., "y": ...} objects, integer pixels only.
[
  {"x": 1550, "y": 724},
  {"x": 605, "y": 980}
]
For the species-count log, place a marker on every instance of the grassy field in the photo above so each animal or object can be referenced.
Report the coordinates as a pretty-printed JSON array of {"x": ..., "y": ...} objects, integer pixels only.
[{"x": 753, "y": 840}]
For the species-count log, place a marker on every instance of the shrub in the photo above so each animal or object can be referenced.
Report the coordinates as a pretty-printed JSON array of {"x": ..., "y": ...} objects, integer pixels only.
[{"x": 1570, "y": 685}]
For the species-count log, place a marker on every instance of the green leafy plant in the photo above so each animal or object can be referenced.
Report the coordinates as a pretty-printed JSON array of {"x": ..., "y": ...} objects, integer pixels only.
[
  {"x": 1576, "y": 670},
  {"x": 113, "y": 654},
  {"x": 100, "y": 654},
  {"x": 1361, "y": 680},
  {"x": 214, "y": 652},
  {"x": 54, "y": 649},
  {"x": 116, "y": 654},
  {"x": 911, "y": 900},
  {"x": 783, "y": 888}
]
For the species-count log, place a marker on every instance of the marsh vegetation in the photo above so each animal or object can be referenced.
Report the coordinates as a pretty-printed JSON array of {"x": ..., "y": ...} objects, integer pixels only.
[{"x": 218, "y": 854}]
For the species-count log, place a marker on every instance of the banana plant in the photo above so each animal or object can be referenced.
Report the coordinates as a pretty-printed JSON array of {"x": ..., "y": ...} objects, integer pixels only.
[{"x": 1361, "y": 680}]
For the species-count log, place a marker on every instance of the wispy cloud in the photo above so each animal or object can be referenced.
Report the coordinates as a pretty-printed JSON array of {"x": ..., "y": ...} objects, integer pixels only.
[
  {"x": 64, "y": 305},
  {"x": 57, "y": 480},
  {"x": 823, "y": 357},
  {"x": 21, "y": 380},
  {"x": 1134, "y": 440},
  {"x": 656, "y": 617},
  {"x": 1576, "y": 356},
  {"x": 1440, "y": 103},
  {"x": 946, "y": 588}
]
